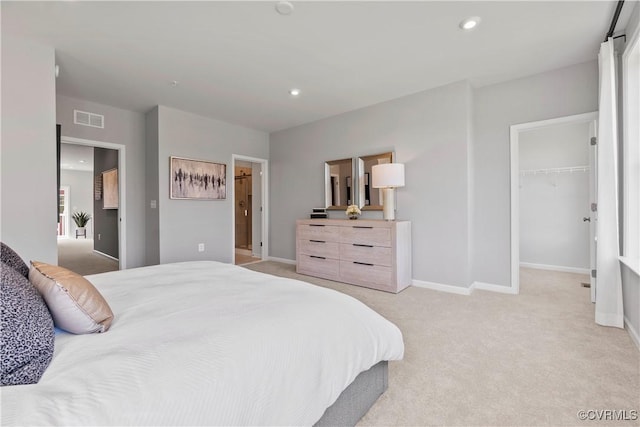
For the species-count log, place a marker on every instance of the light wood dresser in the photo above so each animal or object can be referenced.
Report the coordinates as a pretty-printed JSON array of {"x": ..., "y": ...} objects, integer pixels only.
[{"x": 371, "y": 253}]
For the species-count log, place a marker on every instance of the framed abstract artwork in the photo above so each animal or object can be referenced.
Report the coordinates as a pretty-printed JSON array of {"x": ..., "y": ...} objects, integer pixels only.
[{"x": 197, "y": 179}]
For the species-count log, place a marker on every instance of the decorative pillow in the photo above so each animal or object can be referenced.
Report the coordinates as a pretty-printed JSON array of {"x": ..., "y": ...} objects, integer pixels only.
[
  {"x": 26, "y": 330},
  {"x": 75, "y": 304},
  {"x": 12, "y": 259}
]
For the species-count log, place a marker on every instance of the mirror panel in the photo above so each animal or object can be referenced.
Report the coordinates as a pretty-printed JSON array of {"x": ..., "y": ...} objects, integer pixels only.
[
  {"x": 370, "y": 198},
  {"x": 338, "y": 178}
]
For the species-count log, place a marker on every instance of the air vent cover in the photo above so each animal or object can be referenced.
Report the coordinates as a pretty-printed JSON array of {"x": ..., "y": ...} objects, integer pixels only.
[{"x": 85, "y": 118}]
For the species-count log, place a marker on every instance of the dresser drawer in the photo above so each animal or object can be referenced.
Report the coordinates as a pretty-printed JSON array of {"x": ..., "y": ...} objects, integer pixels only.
[
  {"x": 366, "y": 275},
  {"x": 327, "y": 233},
  {"x": 319, "y": 248},
  {"x": 327, "y": 268},
  {"x": 375, "y": 236},
  {"x": 378, "y": 255}
]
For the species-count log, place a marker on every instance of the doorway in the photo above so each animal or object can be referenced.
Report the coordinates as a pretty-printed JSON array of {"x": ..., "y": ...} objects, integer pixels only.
[
  {"x": 249, "y": 209},
  {"x": 95, "y": 173},
  {"x": 553, "y": 176}
]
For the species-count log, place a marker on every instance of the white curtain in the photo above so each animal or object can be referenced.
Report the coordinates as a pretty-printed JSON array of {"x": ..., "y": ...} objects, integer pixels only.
[{"x": 609, "y": 310}]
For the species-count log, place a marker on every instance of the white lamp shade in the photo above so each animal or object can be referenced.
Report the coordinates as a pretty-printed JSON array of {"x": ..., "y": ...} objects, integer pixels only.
[{"x": 388, "y": 175}]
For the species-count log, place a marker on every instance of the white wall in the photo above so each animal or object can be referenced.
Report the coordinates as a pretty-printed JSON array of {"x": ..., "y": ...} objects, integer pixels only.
[
  {"x": 564, "y": 92},
  {"x": 80, "y": 185},
  {"x": 126, "y": 128},
  {"x": 429, "y": 133},
  {"x": 552, "y": 206},
  {"x": 28, "y": 166},
  {"x": 183, "y": 224}
]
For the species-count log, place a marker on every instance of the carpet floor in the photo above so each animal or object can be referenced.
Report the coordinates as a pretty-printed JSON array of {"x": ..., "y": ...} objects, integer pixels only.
[
  {"x": 77, "y": 255},
  {"x": 490, "y": 359}
]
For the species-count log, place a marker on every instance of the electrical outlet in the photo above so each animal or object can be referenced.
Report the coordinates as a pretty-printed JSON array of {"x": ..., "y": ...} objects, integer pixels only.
[{"x": 200, "y": 247}]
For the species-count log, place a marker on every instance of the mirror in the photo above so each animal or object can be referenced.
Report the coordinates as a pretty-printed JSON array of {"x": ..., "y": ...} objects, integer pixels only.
[
  {"x": 370, "y": 198},
  {"x": 338, "y": 178}
]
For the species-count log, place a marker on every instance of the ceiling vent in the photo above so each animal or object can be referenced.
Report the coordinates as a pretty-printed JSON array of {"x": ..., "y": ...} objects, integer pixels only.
[{"x": 88, "y": 119}]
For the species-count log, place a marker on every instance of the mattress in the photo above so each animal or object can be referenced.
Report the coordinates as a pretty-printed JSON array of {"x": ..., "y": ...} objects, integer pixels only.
[{"x": 207, "y": 343}]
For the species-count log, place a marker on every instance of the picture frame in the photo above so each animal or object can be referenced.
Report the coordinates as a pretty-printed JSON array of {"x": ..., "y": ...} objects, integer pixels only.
[
  {"x": 110, "y": 198},
  {"x": 197, "y": 179}
]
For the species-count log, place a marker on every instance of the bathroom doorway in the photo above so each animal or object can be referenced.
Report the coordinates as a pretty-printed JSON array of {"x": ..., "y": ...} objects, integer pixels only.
[{"x": 248, "y": 190}]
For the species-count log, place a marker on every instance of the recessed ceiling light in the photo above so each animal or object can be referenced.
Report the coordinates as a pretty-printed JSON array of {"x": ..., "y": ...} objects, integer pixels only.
[
  {"x": 469, "y": 23},
  {"x": 294, "y": 92},
  {"x": 81, "y": 161},
  {"x": 284, "y": 8},
  {"x": 173, "y": 83}
]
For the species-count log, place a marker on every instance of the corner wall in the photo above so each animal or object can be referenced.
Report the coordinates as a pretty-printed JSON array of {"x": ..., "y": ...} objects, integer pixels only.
[
  {"x": 28, "y": 155},
  {"x": 186, "y": 223}
]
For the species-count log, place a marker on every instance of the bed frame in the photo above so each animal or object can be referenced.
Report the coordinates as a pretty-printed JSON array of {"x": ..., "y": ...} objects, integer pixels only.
[{"x": 357, "y": 398}]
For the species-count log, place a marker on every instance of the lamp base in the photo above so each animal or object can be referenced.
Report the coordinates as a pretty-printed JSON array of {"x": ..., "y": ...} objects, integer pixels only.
[{"x": 388, "y": 204}]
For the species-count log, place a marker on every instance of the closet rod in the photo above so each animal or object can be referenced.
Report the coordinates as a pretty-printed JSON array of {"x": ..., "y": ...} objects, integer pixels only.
[
  {"x": 555, "y": 170},
  {"x": 614, "y": 21}
]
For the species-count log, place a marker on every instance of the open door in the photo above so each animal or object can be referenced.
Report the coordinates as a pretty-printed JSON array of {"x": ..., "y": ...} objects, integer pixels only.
[{"x": 593, "y": 200}]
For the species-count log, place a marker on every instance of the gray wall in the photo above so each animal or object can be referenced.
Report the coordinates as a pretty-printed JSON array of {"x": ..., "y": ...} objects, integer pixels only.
[
  {"x": 126, "y": 128},
  {"x": 28, "y": 163},
  {"x": 152, "y": 223},
  {"x": 80, "y": 185},
  {"x": 552, "y": 205},
  {"x": 429, "y": 132},
  {"x": 564, "y": 92},
  {"x": 183, "y": 224},
  {"x": 105, "y": 221}
]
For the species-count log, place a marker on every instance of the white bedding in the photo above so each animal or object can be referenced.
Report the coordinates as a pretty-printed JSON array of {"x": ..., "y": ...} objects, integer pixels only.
[{"x": 206, "y": 343}]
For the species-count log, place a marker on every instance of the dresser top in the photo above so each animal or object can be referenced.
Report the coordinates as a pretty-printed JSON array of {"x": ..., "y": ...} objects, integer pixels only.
[{"x": 380, "y": 223}]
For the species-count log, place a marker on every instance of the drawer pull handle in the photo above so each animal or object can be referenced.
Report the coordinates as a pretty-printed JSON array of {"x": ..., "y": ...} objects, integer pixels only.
[
  {"x": 363, "y": 263},
  {"x": 361, "y": 226},
  {"x": 317, "y": 241},
  {"x": 316, "y": 225},
  {"x": 362, "y": 246},
  {"x": 318, "y": 257}
]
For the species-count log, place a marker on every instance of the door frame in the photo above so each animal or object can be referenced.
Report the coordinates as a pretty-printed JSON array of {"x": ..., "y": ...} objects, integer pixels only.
[
  {"x": 122, "y": 188},
  {"x": 515, "y": 130},
  {"x": 67, "y": 222},
  {"x": 264, "y": 188}
]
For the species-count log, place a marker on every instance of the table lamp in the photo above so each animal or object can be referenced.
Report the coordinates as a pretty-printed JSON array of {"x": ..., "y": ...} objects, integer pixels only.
[{"x": 388, "y": 176}]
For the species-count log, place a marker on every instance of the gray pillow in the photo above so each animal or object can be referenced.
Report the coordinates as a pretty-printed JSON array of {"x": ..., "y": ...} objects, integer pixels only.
[
  {"x": 12, "y": 259},
  {"x": 26, "y": 330}
]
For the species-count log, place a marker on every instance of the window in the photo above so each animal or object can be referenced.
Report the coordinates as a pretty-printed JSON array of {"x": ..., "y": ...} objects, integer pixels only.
[{"x": 631, "y": 141}]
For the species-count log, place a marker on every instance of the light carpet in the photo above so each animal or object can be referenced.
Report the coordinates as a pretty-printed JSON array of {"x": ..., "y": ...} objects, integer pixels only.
[
  {"x": 77, "y": 255},
  {"x": 491, "y": 359}
]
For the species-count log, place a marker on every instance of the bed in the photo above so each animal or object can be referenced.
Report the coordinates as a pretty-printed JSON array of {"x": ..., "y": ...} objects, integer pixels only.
[{"x": 207, "y": 343}]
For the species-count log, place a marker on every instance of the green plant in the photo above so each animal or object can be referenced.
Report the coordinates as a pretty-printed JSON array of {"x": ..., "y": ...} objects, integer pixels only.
[{"x": 81, "y": 218}]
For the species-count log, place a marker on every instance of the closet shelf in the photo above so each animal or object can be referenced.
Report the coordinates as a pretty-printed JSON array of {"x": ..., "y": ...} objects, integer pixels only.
[{"x": 569, "y": 169}]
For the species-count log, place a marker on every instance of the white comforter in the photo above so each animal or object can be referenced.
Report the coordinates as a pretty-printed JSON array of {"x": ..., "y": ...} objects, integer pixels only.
[{"x": 206, "y": 343}]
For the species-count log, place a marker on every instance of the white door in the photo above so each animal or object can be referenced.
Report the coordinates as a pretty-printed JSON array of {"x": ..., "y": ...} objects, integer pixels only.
[{"x": 593, "y": 211}]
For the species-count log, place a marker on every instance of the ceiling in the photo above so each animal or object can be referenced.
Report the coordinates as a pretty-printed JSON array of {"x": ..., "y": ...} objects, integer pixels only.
[
  {"x": 237, "y": 61},
  {"x": 76, "y": 157}
]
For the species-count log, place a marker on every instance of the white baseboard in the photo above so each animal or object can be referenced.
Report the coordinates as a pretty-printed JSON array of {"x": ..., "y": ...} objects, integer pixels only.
[
  {"x": 556, "y": 268},
  {"x": 108, "y": 256},
  {"x": 482, "y": 286},
  {"x": 632, "y": 332},
  {"x": 441, "y": 287},
  {"x": 282, "y": 260}
]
